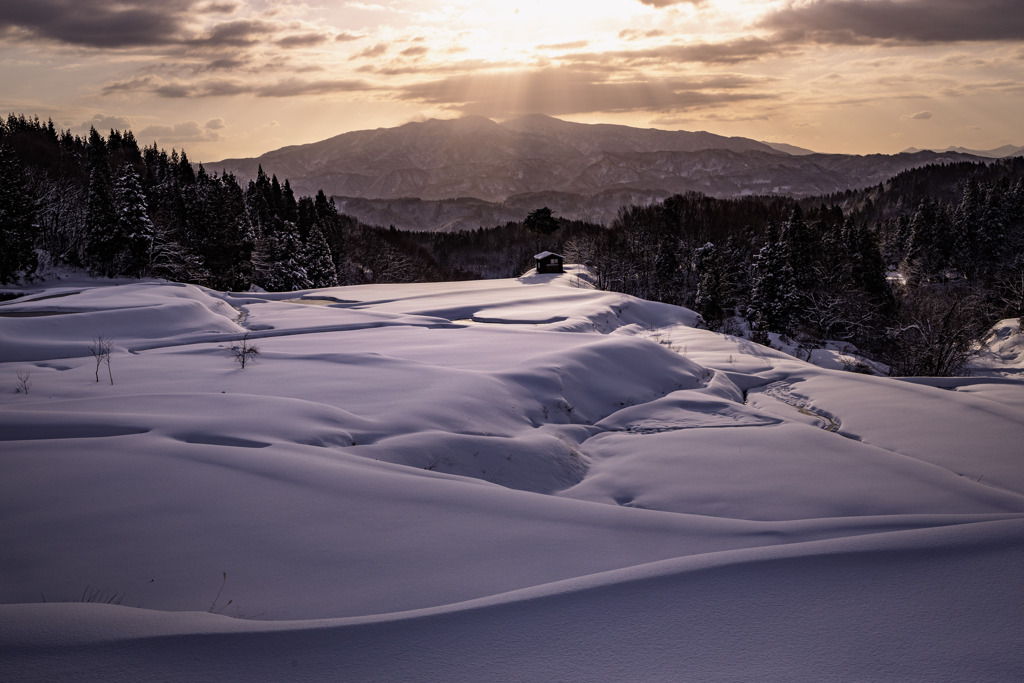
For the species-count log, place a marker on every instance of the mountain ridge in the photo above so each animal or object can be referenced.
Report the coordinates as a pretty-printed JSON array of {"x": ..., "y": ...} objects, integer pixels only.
[
  {"x": 997, "y": 153},
  {"x": 471, "y": 156},
  {"x": 474, "y": 159}
]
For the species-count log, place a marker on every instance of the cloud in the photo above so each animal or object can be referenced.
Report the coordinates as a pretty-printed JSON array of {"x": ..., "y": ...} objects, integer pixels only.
[
  {"x": 374, "y": 51},
  {"x": 236, "y": 33},
  {"x": 188, "y": 131},
  {"x": 919, "y": 116},
  {"x": 98, "y": 23},
  {"x": 414, "y": 51},
  {"x": 102, "y": 122},
  {"x": 345, "y": 37},
  {"x": 225, "y": 64},
  {"x": 289, "y": 87},
  {"x": 295, "y": 86},
  {"x": 574, "y": 45},
  {"x": 303, "y": 39},
  {"x": 219, "y": 8},
  {"x": 184, "y": 132},
  {"x": 406, "y": 68},
  {"x": 563, "y": 91},
  {"x": 668, "y": 3},
  {"x": 973, "y": 88},
  {"x": 899, "y": 21},
  {"x": 729, "y": 52},
  {"x": 636, "y": 34},
  {"x": 146, "y": 23},
  {"x": 759, "y": 113}
]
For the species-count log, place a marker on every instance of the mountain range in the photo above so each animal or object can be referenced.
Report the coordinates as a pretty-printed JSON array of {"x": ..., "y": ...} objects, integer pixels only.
[
  {"x": 471, "y": 172},
  {"x": 997, "y": 153}
]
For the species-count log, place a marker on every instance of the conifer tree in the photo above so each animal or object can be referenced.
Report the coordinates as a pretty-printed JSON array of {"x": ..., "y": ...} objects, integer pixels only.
[
  {"x": 279, "y": 259},
  {"x": 172, "y": 257},
  {"x": 928, "y": 252},
  {"x": 992, "y": 231},
  {"x": 803, "y": 245},
  {"x": 540, "y": 222},
  {"x": 319, "y": 266},
  {"x": 712, "y": 286},
  {"x": 257, "y": 203},
  {"x": 101, "y": 218},
  {"x": 335, "y": 230},
  {"x": 289, "y": 208},
  {"x": 964, "y": 239},
  {"x": 132, "y": 228},
  {"x": 17, "y": 220},
  {"x": 773, "y": 289},
  {"x": 221, "y": 233}
]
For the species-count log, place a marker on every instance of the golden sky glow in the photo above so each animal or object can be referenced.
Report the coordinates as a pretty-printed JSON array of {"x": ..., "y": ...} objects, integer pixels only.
[{"x": 224, "y": 78}]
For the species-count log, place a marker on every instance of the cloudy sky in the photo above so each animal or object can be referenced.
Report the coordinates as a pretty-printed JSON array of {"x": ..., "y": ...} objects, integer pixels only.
[{"x": 225, "y": 78}]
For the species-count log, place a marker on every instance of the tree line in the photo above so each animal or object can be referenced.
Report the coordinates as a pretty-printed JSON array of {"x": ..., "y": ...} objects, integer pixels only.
[
  {"x": 913, "y": 272},
  {"x": 116, "y": 209}
]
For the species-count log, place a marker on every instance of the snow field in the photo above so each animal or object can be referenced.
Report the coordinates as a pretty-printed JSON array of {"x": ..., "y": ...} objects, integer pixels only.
[{"x": 517, "y": 479}]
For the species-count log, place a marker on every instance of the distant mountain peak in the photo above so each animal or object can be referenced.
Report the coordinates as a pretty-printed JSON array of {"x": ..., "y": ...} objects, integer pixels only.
[{"x": 997, "y": 153}]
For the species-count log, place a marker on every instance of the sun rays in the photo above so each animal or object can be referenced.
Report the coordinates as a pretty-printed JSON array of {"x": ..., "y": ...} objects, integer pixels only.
[{"x": 754, "y": 68}]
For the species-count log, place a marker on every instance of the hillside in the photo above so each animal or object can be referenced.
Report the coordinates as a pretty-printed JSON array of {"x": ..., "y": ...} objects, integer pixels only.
[
  {"x": 459, "y": 164},
  {"x": 476, "y": 157},
  {"x": 521, "y": 479}
]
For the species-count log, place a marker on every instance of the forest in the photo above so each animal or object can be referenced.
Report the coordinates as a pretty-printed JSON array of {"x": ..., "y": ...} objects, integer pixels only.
[
  {"x": 912, "y": 272},
  {"x": 116, "y": 209}
]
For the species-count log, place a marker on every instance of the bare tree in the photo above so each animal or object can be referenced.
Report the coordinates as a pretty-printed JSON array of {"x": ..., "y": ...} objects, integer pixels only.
[
  {"x": 24, "y": 382},
  {"x": 61, "y": 216},
  {"x": 100, "y": 350},
  {"x": 1010, "y": 292},
  {"x": 243, "y": 351},
  {"x": 214, "y": 607},
  {"x": 938, "y": 332}
]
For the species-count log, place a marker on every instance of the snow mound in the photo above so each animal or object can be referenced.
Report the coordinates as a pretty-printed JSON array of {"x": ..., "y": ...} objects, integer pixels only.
[
  {"x": 62, "y": 324},
  {"x": 1002, "y": 352}
]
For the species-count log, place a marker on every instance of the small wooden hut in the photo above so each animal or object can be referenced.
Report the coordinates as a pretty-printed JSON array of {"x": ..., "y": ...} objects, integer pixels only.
[{"x": 548, "y": 262}]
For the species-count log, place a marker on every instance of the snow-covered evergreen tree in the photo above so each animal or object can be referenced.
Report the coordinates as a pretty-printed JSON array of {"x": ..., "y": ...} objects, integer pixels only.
[
  {"x": 931, "y": 241},
  {"x": 773, "y": 290},
  {"x": 319, "y": 266},
  {"x": 964, "y": 240},
  {"x": 17, "y": 220},
  {"x": 712, "y": 286},
  {"x": 101, "y": 220},
  {"x": 132, "y": 227},
  {"x": 993, "y": 237},
  {"x": 222, "y": 235},
  {"x": 278, "y": 260},
  {"x": 803, "y": 246}
]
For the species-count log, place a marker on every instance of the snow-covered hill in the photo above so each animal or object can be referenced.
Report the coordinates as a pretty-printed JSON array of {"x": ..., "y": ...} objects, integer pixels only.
[{"x": 520, "y": 479}]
